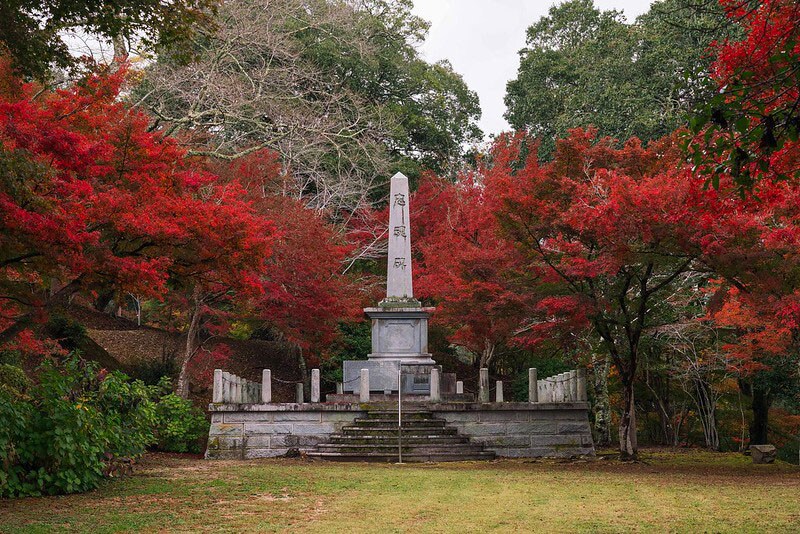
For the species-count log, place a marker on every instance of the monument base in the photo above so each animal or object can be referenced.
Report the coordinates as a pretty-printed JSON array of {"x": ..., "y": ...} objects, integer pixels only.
[
  {"x": 383, "y": 376},
  {"x": 400, "y": 333}
]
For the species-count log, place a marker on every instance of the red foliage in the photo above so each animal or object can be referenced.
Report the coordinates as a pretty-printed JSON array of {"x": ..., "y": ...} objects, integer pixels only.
[
  {"x": 304, "y": 292},
  {"x": 758, "y": 337},
  {"x": 466, "y": 266},
  {"x": 750, "y": 129},
  {"x": 202, "y": 365},
  {"x": 26, "y": 343},
  {"x": 90, "y": 199}
]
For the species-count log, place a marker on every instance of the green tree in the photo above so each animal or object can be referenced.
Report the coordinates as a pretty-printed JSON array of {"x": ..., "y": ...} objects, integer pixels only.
[
  {"x": 337, "y": 88},
  {"x": 33, "y": 32},
  {"x": 583, "y": 66}
]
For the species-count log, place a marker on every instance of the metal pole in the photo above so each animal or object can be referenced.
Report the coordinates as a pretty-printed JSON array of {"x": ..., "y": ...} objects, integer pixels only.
[{"x": 399, "y": 413}]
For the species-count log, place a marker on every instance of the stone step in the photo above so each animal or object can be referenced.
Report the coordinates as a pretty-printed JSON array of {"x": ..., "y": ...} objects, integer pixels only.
[
  {"x": 406, "y": 416},
  {"x": 453, "y": 448},
  {"x": 414, "y": 423},
  {"x": 422, "y": 440},
  {"x": 410, "y": 458},
  {"x": 392, "y": 431}
]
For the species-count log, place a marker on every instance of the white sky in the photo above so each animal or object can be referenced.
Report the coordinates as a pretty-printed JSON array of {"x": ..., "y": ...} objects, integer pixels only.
[{"x": 481, "y": 39}]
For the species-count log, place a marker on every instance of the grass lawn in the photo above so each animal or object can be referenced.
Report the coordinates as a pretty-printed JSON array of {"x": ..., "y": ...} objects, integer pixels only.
[{"x": 683, "y": 491}]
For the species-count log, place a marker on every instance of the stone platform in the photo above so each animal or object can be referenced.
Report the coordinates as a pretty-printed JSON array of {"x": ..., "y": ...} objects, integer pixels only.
[{"x": 507, "y": 429}]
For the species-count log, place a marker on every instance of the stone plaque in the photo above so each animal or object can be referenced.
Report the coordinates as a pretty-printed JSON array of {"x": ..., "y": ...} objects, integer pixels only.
[{"x": 400, "y": 336}]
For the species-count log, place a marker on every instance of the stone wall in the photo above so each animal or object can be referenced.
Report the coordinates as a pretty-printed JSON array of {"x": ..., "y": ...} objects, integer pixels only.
[
  {"x": 523, "y": 430},
  {"x": 510, "y": 429},
  {"x": 268, "y": 430}
]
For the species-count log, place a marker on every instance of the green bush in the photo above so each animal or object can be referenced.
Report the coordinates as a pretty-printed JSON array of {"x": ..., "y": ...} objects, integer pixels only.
[
  {"x": 13, "y": 377},
  {"x": 69, "y": 430},
  {"x": 63, "y": 435},
  {"x": 180, "y": 426}
]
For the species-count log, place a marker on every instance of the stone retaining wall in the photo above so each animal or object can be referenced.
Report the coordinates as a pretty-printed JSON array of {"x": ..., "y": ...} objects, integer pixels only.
[
  {"x": 510, "y": 429},
  {"x": 523, "y": 430},
  {"x": 268, "y": 430}
]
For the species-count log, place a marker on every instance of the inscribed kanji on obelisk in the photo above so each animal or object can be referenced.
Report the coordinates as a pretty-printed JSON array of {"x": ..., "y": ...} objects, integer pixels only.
[{"x": 398, "y": 276}]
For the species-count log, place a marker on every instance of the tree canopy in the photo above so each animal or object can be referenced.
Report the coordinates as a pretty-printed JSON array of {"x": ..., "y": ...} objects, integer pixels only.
[
  {"x": 582, "y": 66},
  {"x": 33, "y": 32},
  {"x": 336, "y": 88}
]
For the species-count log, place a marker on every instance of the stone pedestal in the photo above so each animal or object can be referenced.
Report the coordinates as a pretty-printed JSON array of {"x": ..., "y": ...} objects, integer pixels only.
[
  {"x": 399, "y": 323},
  {"x": 399, "y": 338},
  {"x": 763, "y": 454},
  {"x": 400, "y": 333},
  {"x": 383, "y": 376}
]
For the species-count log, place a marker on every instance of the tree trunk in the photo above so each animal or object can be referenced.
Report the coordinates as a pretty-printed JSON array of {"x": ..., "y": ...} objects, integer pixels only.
[
  {"x": 656, "y": 383},
  {"x": 760, "y": 405},
  {"x": 707, "y": 411},
  {"x": 120, "y": 49},
  {"x": 487, "y": 355},
  {"x": 601, "y": 406},
  {"x": 301, "y": 363},
  {"x": 628, "y": 446},
  {"x": 182, "y": 387}
]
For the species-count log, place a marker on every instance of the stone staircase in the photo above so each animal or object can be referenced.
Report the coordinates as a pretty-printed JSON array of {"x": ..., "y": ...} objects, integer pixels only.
[{"x": 423, "y": 439}]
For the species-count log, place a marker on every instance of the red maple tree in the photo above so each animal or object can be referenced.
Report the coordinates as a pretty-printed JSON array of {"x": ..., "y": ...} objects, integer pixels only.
[
  {"x": 750, "y": 129},
  {"x": 90, "y": 199},
  {"x": 466, "y": 266}
]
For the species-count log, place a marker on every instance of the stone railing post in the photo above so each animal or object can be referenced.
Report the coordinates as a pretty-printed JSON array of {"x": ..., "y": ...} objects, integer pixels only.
[
  {"x": 226, "y": 386},
  {"x": 315, "y": 385},
  {"x": 216, "y": 396},
  {"x": 266, "y": 386},
  {"x": 339, "y": 388},
  {"x": 582, "y": 397},
  {"x": 483, "y": 385},
  {"x": 498, "y": 391},
  {"x": 436, "y": 394},
  {"x": 573, "y": 381},
  {"x": 299, "y": 393},
  {"x": 533, "y": 386},
  {"x": 363, "y": 386},
  {"x": 459, "y": 387}
]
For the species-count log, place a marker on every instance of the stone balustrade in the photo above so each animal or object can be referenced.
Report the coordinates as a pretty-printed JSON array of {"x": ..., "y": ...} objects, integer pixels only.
[
  {"x": 232, "y": 389},
  {"x": 563, "y": 387},
  {"x": 569, "y": 386},
  {"x": 246, "y": 423}
]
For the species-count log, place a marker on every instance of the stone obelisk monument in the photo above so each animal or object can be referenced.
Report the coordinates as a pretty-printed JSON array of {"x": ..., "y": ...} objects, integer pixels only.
[
  {"x": 399, "y": 284},
  {"x": 399, "y": 323}
]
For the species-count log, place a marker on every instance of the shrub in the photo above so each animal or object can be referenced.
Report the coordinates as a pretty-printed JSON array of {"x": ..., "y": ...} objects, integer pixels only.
[
  {"x": 180, "y": 426},
  {"x": 62, "y": 436},
  {"x": 13, "y": 377}
]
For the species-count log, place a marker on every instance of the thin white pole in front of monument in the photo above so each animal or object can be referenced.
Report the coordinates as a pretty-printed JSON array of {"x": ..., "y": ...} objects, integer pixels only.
[{"x": 399, "y": 413}]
